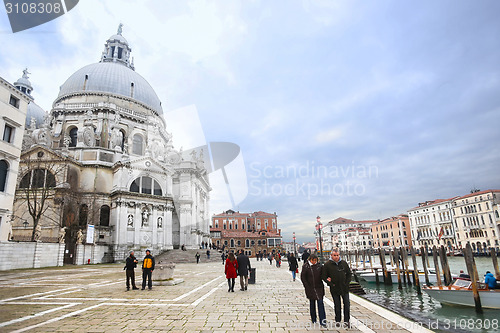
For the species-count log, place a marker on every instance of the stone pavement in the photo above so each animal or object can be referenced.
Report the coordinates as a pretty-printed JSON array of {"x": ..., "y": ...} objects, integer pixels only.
[{"x": 93, "y": 298}]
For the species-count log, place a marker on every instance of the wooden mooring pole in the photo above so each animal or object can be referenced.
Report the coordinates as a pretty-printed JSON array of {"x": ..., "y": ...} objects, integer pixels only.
[
  {"x": 364, "y": 258},
  {"x": 424, "y": 263},
  {"x": 416, "y": 280},
  {"x": 405, "y": 262},
  {"x": 444, "y": 264},
  {"x": 387, "y": 274},
  {"x": 495, "y": 263},
  {"x": 398, "y": 271},
  {"x": 471, "y": 269},
  {"x": 436, "y": 266}
]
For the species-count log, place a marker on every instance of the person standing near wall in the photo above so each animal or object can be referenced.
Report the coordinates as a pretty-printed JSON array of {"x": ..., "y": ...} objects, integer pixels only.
[{"x": 148, "y": 266}]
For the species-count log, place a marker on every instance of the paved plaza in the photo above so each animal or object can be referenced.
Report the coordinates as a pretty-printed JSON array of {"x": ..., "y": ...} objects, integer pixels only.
[{"x": 93, "y": 298}]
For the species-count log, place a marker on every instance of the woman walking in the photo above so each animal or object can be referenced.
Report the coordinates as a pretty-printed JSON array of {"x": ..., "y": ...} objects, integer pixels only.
[
  {"x": 230, "y": 270},
  {"x": 293, "y": 265},
  {"x": 315, "y": 290}
]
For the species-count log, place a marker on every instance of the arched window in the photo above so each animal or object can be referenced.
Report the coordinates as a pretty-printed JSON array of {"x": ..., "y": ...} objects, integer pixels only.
[
  {"x": 137, "y": 144},
  {"x": 146, "y": 185},
  {"x": 4, "y": 168},
  {"x": 104, "y": 216},
  {"x": 123, "y": 139},
  {"x": 82, "y": 218},
  {"x": 38, "y": 178},
  {"x": 73, "y": 136},
  {"x": 247, "y": 243},
  {"x": 232, "y": 242}
]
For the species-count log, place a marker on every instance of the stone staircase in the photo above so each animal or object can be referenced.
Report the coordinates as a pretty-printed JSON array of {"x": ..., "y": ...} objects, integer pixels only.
[{"x": 178, "y": 256}]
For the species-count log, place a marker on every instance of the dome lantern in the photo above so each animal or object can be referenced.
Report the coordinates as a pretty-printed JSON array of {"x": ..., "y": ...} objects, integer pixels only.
[
  {"x": 24, "y": 84},
  {"x": 117, "y": 49}
]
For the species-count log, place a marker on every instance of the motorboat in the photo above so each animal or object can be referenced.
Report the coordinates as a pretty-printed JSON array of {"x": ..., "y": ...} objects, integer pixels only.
[{"x": 460, "y": 293}]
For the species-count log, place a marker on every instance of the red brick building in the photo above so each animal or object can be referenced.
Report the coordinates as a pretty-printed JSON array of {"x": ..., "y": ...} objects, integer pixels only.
[{"x": 252, "y": 232}]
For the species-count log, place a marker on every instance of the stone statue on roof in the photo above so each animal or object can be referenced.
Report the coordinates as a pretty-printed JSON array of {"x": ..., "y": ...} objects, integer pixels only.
[
  {"x": 25, "y": 73},
  {"x": 119, "y": 32}
]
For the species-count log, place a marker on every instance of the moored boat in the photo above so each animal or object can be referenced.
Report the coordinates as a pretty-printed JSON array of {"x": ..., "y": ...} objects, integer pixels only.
[
  {"x": 460, "y": 293},
  {"x": 370, "y": 277}
]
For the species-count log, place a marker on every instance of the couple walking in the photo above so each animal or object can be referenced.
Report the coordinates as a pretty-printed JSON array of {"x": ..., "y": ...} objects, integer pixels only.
[
  {"x": 337, "y": 275},
  {"x": 237, "y": 266}
]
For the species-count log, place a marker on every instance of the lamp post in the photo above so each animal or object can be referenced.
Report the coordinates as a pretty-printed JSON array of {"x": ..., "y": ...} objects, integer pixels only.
[
  {"x": 294, "y": 249},
  {"x": 319, "y": 226}
]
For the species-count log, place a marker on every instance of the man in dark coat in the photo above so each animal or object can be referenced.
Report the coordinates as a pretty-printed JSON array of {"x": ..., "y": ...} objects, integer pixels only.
[
  {"x": 130, "y": 265},
  {"x": 305, "y": 255},
  {"x": 315, "y": 290},
  {"x": 337, "y": 275},
  {"x": 148, "y": 266},
  {"x": 243, "y": 269},
  {"x": 293, "y": 265}
]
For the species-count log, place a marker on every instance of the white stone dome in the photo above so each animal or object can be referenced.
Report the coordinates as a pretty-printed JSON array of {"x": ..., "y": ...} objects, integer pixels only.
[
  {"x": 36, "y": 112},
  {"x": 113, "y": 78}
]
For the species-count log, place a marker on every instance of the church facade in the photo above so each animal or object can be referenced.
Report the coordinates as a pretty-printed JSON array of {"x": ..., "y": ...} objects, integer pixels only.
[{"x": 115, "y": 180}]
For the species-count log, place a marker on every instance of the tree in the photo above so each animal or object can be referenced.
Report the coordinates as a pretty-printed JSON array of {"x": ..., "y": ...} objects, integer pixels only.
[{"x": 41, "y": 186}]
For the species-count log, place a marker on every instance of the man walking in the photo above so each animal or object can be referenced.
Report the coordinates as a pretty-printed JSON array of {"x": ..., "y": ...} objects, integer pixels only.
[
  {"x": 197, "y": 255},
  {"x": 337, "y": 275},
  {"x": 243, "y": 268},
  {"x": 130, "y": 265},
  {"x": 148, "y": 266}
]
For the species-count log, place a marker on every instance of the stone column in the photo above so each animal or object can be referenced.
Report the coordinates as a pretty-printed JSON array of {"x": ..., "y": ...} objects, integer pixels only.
[
  {"x": 167, "y": 226},
  {"x": 137, "y": 225}
]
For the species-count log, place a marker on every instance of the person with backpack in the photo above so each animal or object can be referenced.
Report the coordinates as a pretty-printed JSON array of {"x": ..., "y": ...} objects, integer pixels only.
[{"x": 148, "y": 266}]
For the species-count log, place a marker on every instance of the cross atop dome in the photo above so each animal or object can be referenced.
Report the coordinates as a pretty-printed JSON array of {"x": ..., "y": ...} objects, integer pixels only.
[{"x": 117, "y": 49}]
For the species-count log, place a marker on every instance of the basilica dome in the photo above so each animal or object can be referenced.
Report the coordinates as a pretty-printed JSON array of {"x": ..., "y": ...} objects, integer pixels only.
[
  {"x": 115, "y": 75},
  {"x": 114, "y": 78}
]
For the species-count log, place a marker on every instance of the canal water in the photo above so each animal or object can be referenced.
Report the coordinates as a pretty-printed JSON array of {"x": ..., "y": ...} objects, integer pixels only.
[{"x": 429, "y": 312}]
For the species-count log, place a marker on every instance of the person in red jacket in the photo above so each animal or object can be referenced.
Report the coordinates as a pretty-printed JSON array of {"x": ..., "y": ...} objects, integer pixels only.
[{"x": 230, "y": 270}]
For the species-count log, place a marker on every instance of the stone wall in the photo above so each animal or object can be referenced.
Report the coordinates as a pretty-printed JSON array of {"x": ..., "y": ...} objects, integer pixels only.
[
  {"x": 97, "y": 254},
  {"x": 30, "y": 255}
]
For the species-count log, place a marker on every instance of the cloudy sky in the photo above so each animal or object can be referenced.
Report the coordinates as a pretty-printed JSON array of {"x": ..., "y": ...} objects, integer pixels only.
[{"x": 341, "y": 108}]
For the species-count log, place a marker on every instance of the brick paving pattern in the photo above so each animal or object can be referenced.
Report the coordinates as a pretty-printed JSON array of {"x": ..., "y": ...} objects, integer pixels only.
[{"x": 93, "y": 298}]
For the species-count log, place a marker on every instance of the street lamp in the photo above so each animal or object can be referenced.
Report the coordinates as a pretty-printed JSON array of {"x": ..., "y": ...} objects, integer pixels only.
[
  {"x": 319, "y": 226},
  {"x": 294, "y": 249}
]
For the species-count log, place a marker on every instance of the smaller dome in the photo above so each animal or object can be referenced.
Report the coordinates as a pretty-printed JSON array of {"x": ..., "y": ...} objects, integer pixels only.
[
  {"x": 24, "y": 84},
  {"x": 36, "y": 112},
  {"x": 118, "y": 38}
]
